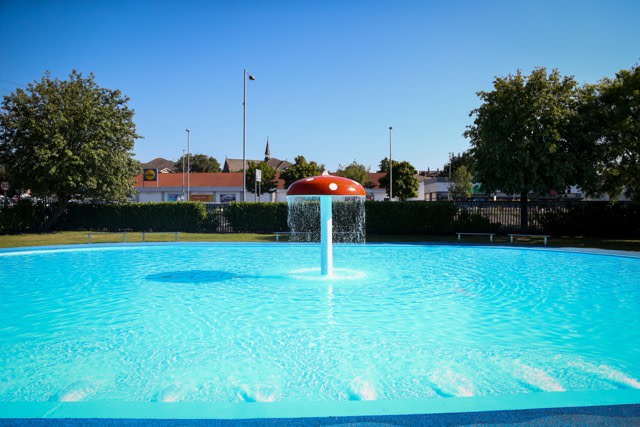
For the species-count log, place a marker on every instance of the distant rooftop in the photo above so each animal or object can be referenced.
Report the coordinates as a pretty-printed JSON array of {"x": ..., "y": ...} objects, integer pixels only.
[{"x": 161, "y": 164}]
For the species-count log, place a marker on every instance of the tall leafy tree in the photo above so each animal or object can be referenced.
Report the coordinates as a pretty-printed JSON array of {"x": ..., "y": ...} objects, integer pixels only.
[
  {"x": 461, "y": 185},
  {"x": 405, "y": 183},
  {"x": 69, "y": 138},
  {"x": 461, "y": 159},
  {"x": 616, "y": 121},
  {"x": 519, "y": 135},
  {"x": 356, "y": 172},
  {"x": 300, "y": 169},
  {"x": 268, "y": 180},
  {"x": 198, "y": 163},
  {"x": 384, "y": 165}
]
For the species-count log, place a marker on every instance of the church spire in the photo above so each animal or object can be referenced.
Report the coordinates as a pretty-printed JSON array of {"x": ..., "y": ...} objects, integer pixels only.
[{"x": 267, "y": 152}]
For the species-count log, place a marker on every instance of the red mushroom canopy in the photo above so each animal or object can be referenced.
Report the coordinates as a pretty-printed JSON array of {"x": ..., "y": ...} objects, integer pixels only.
[{"x": 325, "y": 185}]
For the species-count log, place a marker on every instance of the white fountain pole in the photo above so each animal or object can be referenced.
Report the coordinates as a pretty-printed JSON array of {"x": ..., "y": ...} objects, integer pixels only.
[{"x": 326, "y": 236}]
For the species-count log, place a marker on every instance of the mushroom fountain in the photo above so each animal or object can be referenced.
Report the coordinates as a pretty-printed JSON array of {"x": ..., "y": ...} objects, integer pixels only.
[{"x": 303, "y": 197}]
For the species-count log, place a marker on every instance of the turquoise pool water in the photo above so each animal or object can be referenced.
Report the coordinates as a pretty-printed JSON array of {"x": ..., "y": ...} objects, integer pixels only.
[{"x": 235, "y": 323}]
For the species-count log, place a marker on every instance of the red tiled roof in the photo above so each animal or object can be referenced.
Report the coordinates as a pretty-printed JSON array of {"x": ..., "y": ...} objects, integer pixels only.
[{"x": 375, "y": 178}]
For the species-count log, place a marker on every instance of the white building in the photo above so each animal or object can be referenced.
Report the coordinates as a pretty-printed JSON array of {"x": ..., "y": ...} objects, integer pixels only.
[{"x": 220, "y": 187}]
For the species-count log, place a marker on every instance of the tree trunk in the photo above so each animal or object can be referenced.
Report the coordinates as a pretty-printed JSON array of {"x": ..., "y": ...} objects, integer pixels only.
[
  {"x": 524, "y": 212},
  {"x": 60, "y": 207}
]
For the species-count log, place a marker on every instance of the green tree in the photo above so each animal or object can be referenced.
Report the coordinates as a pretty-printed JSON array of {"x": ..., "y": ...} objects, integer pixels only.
[
  {"x": 617, "y": 127},
  {"x": 69, "y": 138},
  {"x": 384, "y": 165},
  {"x": 356, "y": 172},
  {"x": 268, "y": 181},
  {"x": 461, "y": 185},
  {"x": 461, "y": 159},
  {"x": 198, "y": 163},
  {"x": 519, "y": 136},
  {"x": 405, "y": 183},
  {"x": 300, "y": 169}
]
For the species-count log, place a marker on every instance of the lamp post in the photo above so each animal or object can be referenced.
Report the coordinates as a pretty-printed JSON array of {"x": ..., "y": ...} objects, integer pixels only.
[
  {"x": 188, "y": 165},
  {"x": 390, "y": 167},
  {"x": 450, "y": 161},
  {"x": 244, "y": 135},
  {"x": 183, "y": 175}
]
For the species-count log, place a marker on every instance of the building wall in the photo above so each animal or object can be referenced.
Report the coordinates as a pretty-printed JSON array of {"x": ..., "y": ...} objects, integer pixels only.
[{"x": 149, "y": 197}]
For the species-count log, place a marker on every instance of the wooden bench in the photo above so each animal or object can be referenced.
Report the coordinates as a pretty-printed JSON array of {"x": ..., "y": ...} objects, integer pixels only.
[
  {"x": 529, "y": 235},
  {"x": 477, "y": 234}
]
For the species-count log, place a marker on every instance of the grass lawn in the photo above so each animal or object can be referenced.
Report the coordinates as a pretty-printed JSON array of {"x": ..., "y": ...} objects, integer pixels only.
[{"x": 81, "y": 237}]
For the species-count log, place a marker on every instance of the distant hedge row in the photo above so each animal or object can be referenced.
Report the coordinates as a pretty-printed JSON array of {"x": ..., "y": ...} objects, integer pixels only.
[
  {"x": 187, "y": 217},
  {"x": 596, "y": 219},
  {"x": 256, "y": 217},
  {"x": 22, "y": 218},
  {"x": 381, "y": 218},
  {"x": 585, "y": 219},
  {"x": 410, "y": 217}
]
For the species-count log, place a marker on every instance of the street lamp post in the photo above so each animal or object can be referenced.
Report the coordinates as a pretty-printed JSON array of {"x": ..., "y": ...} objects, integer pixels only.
[
  {"x": 244, "y": 135},
  {"x": 183, "y": 175},
  {"x": 188, "y": 165},
  {"x": 390, "y": 167},
  {"x": 450, "y": 161}
]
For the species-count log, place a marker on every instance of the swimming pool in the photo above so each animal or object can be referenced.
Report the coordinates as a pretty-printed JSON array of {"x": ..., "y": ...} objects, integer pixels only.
[{"x": 225, "y": 325}]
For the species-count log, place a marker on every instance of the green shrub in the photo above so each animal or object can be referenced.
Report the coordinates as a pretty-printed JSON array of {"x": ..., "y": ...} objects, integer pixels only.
[
  {"x": 410, "y": 217},
  {"x": 186, "y": 217},
  {"x": 257, "y": 217},
  {"x": 473, "y": 222},
  {"x": 23, "y": 217},
  {"x": 596, "y": 219}
]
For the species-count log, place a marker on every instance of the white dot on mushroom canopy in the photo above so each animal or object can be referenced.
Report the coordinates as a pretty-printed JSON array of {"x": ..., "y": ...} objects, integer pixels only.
[{"x": 333, "y": 186}]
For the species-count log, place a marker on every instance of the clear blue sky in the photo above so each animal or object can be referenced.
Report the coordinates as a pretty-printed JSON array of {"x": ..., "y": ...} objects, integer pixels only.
[{"x": 331, "y": 75}]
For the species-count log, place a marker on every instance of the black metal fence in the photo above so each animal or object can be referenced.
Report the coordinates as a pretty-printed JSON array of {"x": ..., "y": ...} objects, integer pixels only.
[
  {"x": 561, "y": 216},
  {"x": 507, "y": 213}
]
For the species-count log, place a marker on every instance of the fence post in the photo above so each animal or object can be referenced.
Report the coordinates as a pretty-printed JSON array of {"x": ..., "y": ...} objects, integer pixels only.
[
  {"x": 88, "y": 238},
  {"x": 124, "y": 237}
]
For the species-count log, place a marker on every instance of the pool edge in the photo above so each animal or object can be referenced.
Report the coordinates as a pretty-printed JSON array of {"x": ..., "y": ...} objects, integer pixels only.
[{"x": 289, "y": 410}]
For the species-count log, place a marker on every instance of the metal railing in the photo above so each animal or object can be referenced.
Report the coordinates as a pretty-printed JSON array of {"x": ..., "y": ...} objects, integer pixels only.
[{"x": 507, "y": 213}]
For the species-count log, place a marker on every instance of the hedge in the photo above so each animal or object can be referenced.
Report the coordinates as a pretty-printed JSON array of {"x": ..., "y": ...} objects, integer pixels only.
[
  {"x": 257, "y": 217},
  {"x": 410, "y": 217},
  {"x": 22, "y": 218},
  {"x": 596, "y": 219},
  {"x": 187, "y": 217}
]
